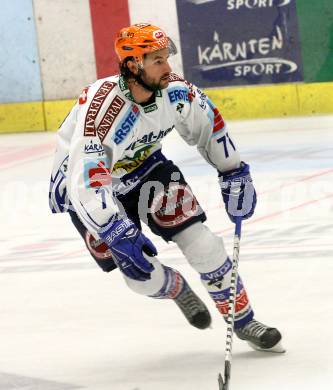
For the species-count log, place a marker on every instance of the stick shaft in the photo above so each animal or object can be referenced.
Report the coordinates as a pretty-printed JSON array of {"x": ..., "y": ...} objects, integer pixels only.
[{"x": 232, "y": 303}]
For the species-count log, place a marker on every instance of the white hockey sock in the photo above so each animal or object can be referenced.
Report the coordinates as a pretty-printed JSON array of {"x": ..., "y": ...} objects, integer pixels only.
[
  {"x": 165, "y": 282},
  {"x": 206, "y": 253}
]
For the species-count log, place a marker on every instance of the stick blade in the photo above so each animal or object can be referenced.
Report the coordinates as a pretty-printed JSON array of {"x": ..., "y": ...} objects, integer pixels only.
[{"x": 222, "y": 385}]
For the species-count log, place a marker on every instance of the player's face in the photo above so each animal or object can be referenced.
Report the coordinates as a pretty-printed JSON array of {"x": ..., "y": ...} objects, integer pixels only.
[{"x": 156, "y": 69}]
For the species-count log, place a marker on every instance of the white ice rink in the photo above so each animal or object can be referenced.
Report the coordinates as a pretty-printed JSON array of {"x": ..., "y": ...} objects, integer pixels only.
[{"x": 64, "y": 324}]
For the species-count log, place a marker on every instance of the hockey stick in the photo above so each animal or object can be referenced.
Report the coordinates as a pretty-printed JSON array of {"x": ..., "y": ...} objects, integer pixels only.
[{"x": 224, "y": 383}]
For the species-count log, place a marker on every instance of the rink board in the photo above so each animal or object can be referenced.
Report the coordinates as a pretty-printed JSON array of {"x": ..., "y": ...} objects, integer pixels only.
[{"x": 234, "y": 103}]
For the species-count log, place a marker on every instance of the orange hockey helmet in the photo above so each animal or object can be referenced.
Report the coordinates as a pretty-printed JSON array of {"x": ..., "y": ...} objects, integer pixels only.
[{"x": 139, "y": 39}]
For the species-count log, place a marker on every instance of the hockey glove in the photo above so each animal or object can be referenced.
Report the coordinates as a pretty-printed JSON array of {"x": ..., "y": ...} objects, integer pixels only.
[
  {"x": 238, "y": 193},
  {"x": 127, "y": 245}
]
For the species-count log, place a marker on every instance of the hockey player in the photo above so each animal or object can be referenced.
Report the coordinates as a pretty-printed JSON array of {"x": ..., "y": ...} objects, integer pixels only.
[{"x": 110, "y": 174}]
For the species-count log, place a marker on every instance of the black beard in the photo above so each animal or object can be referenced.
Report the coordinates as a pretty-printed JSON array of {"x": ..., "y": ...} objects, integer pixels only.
[{"x": 151, "y": 87}]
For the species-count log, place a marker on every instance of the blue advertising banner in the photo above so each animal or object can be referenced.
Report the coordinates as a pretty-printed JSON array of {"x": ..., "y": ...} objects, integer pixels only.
[{"x": 239, "y": 42}]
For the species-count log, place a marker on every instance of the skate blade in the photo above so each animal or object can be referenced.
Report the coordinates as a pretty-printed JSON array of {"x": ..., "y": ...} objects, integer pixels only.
[{"x": 278, "y": 348}]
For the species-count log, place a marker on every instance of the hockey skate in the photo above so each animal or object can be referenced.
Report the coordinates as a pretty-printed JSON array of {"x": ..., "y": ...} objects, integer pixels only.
[
  {"x": 193, "y": 308},
  {"x": 261, "y": 337}
]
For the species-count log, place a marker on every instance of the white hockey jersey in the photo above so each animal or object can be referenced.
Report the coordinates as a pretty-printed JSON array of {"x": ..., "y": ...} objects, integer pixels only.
[{"x": 108, "y": 143}]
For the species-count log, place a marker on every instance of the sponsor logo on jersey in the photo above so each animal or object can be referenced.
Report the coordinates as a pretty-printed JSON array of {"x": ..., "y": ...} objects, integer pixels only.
[
  {"x": 129, "y": 164},
  {"x": 95, "y": 106},
  {"x": 121, "y": 187},
  {"x": 150, "y": 138},
  {"x": 93, "y": 147},
  {"x": 150, "y": 108},
  {"x": 111, "y": 114},
  {"x": 202, "y": 99},
  {"x": 180, "y": 107},
  {"x": 174, "y": 77},
  {"x": 178, "y": 94},
  {"x": 129, "y": 96},
  {"x": 83, "y": 96},
  {"x": 122, "y": 84},
  {"x": 126, "y": 125},
  {"x": 97, "y": 173},
  {"x": 124, "y": 88}
]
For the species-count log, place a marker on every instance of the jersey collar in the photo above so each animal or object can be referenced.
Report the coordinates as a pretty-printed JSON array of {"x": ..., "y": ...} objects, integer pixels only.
[
  {"x": 126, "y": 91},
  {"x": 124, "y": 88}
]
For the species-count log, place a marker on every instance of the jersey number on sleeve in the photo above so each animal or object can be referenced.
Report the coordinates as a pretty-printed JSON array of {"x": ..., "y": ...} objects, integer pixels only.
[
  {"x": 101, "y": 191},
  {"x": 225, "y": 139}
]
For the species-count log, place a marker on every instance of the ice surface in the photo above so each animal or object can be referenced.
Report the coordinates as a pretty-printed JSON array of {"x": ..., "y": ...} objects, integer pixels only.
[{"x": 67, "y": 325}]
